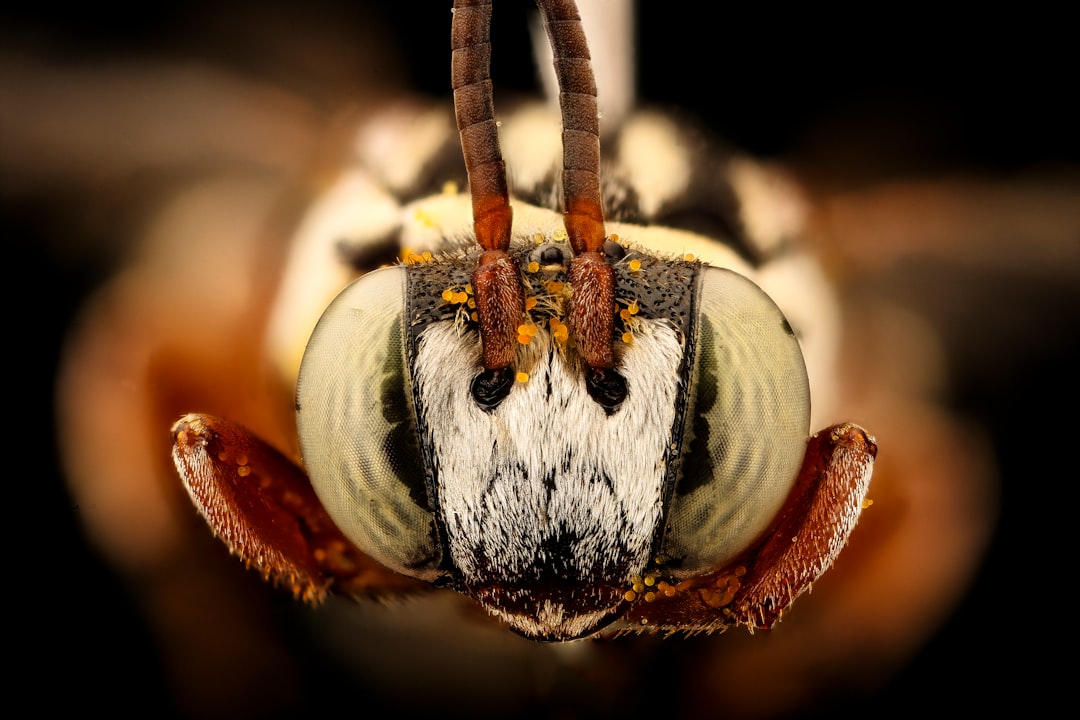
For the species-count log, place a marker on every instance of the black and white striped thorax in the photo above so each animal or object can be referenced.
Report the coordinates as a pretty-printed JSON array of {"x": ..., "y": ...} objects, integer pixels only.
[{"x": 658, "y": 170}]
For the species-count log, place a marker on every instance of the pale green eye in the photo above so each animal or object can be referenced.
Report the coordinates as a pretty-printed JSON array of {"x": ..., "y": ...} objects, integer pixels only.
[
  {"x": 357, "y": 426},
  {"x": 746, "y": 428}
]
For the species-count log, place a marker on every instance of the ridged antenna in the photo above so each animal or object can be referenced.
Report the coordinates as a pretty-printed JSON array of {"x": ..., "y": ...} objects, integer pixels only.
[
  {"x": 470, "y": 42},
  {"x": 496, "y": 283},
  {"x": 584, "y": 218}
]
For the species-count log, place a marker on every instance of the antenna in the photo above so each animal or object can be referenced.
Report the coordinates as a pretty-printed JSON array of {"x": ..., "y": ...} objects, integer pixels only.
[{"x": 496, "y": 282}]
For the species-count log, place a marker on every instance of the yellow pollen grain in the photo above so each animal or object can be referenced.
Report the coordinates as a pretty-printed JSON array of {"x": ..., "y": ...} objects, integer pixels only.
[
  {"x": 650, "y": 596},
  {"x": 614, "y": 237},
  {"x": 538, "y": 238},
  {"x": 448, "y": 295},
  {"x": 559, "y": 331},
  {"x": 533, "y": 267},
  {"x": 241, "y": 459},
  {"x": 524, "y": 339},
  {"x": 468, "y": 288},
  {"x": 243, "y": 470},
  {"x": 688, "y": 257},
  {"x": 522, "y": 377},
  {"x": 628, "y": 337},
  {"x": 630, "y": 596},
  {"x": 554, "y": 287},
  {"x": 650, "y": 580},
  {"x": 560, "y": 234},
  {"x": 450, "y": 188},
  {"x": 472, "y": 316},
  {"x": 867, "y": 502},
  {"x": 530, "y": 303},
  {"x": 634, "y": 265},
  {"x": 471, "y": 303},
  {"x": 633, "y": 308}
]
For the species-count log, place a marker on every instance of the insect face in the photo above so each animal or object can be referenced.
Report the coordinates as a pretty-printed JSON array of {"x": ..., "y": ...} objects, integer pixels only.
[
  {"x": 578, "y": 428},
  {"x": 543, "y": 503},
  {"x": 547, "y": 505}
]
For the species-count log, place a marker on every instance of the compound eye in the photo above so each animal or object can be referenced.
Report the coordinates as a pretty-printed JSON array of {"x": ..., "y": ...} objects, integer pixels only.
[
  {"x": 747, "y": 425},
  {"x": 356, "y": 423}
]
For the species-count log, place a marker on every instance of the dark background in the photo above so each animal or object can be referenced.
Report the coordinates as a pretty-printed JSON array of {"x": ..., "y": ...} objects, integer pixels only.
[{"x": 847, "y": 98}]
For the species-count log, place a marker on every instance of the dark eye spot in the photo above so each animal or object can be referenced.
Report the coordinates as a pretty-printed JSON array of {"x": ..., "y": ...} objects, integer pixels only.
[
  {"x": 607, "y": 388},
  {"x": 551, "y": 255},
  {"x": 491, "y": 387},
  {"x": 613, "y": 251}
]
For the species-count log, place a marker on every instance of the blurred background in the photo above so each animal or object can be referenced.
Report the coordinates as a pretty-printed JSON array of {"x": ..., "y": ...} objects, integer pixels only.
[{"x": 940, "y": 155}]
